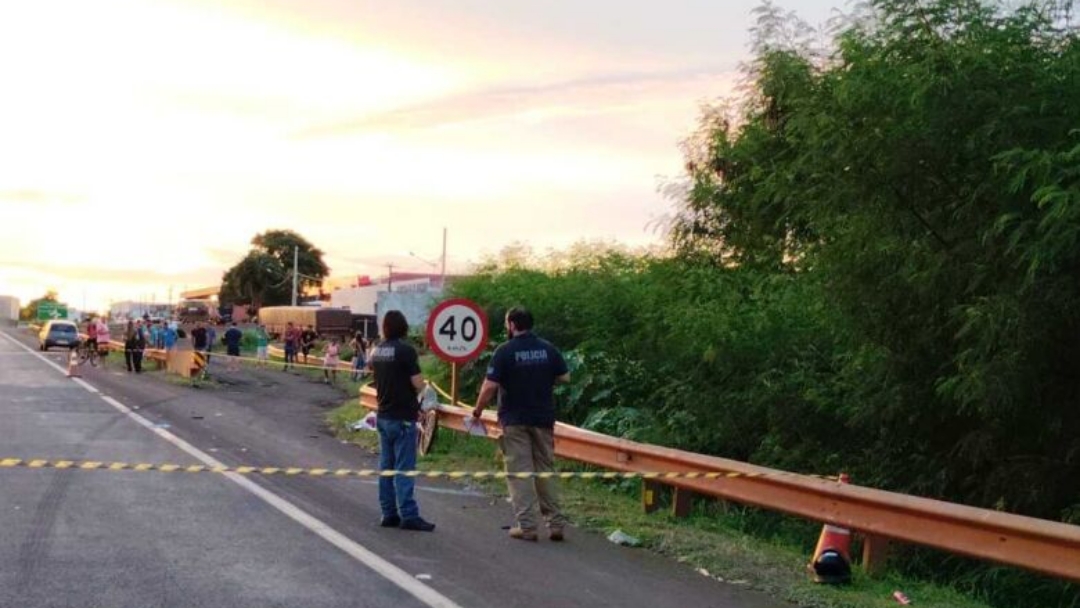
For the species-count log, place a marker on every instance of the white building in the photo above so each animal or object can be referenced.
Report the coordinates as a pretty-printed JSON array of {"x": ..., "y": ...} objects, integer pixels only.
[
  {"x": 9, "y": 308},
  {"x": 364, "y": 300}
]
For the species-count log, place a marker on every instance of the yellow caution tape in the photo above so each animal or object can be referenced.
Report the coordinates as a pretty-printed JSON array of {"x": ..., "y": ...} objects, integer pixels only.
[{"x": 94, "y": 465}]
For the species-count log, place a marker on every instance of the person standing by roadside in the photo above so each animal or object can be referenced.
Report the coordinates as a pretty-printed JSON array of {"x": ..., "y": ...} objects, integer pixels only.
[
  {"x": 232, "y": 338},
  {"x": 211, "y": 337},
  {"x": 262, "y": 344},
  {"x": 168, "y": 337},
  {"x": 359, "y": 359},
  {"x": 140, "y": 346},
  {"x": 129, "y": 346},
  {"x": 398, "y": 382},
  {"x": 292, "y": 344},
  {"x": 199, "y": 338},
  {"x": 103, "y": 337},
  {"x": 134, "y": 343},
  {"x": 307, "y": 341},
  {"x": 91, "y": 334},
  {"x": 523, "y": 373},
  {"x": 331, "y": 358},
  {"x": 155, "y": 335}
]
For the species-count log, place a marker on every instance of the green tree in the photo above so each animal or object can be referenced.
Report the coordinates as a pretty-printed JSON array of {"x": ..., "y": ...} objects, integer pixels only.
[
  {"x": 878, "y": 271},
  {"x": 264, "y": 275},
  {"x": 253, "y": 279},
  {"x": 926, "y": 174},
  {"x": 281, "y": 243}
]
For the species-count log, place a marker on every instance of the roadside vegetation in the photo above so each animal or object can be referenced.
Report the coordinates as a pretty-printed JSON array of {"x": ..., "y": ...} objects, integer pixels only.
[
  {"x": 714, "y": 540},
  {"x": 874, "y": 267}
]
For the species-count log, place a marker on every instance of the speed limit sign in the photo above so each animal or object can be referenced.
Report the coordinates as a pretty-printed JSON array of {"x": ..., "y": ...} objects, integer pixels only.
[{"x": 457, "y": 330}]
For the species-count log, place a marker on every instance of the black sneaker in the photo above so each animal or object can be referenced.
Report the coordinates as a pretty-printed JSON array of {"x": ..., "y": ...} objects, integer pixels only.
[
  {"x": 390, "y": 522},
  {"x": 418, "y": 524}
]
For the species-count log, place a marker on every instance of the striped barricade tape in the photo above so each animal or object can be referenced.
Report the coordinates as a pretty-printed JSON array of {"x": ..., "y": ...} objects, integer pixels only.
[{"x": 94, "y": 465}]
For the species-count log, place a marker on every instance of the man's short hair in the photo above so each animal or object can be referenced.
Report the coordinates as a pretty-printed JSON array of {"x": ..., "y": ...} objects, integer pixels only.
[
  {"x": 520, "y": 317},
  {"x": 394, "y": 325}
]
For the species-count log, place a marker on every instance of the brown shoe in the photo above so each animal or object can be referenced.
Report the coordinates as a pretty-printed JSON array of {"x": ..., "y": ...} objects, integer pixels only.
[
  {"x": 520, "y": 533},
  {"x": 556, "y": 534}
]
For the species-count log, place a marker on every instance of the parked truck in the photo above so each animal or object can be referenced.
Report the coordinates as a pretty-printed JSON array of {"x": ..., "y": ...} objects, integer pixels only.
[
  {"x": 9, "y": 308},
  {"x": 193, "y": 311},
  {"x": 326, "y": 321}
]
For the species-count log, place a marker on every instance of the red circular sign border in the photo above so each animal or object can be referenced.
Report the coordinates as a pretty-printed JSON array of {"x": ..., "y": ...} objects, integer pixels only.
[{"x": 430, "y": 333}]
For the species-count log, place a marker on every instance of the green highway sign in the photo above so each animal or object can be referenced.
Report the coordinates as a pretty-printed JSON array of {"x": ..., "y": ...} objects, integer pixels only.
[{"x": 51, "y": 310}]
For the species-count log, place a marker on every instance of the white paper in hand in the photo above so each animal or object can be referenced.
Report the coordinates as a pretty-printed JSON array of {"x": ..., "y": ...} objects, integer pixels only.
[{"x": 475, "y": 427}]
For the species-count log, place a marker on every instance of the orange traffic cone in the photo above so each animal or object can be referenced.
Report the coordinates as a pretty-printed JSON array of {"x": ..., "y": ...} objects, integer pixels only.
[
  {"x": 73, "y": 364},
  {"x": 832, "y": 557}
]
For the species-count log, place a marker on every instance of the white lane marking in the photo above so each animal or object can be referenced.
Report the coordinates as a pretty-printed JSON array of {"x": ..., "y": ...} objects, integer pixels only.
[
  {"x": 362, "y": 554},
  {"x": 86, "y": 385}
]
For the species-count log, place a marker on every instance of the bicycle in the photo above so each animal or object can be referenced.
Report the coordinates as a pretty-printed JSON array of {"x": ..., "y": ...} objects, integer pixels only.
[{"x": 88, "y": 352}]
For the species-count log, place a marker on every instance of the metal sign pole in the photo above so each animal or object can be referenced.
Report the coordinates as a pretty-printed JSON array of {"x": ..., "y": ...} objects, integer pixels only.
[{"x": 453, "y": 383}]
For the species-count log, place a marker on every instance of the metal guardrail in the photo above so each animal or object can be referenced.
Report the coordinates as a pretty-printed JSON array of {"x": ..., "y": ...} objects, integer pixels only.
[
  {"x": 1040, "y": 545},
  {"x": 1043, "y": 546}
]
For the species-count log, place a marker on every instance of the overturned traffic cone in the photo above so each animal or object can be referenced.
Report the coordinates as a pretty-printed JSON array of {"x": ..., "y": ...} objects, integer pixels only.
[
  {"x": 832, "y": 557},
  {"x": 73, "y": 364}
]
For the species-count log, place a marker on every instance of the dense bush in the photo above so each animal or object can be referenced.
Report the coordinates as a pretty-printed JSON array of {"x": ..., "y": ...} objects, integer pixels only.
[{"x": 876, "y": 269}]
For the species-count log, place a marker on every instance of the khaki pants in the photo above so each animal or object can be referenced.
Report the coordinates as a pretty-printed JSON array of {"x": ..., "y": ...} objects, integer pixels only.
[{"x": 532, "y": 449}]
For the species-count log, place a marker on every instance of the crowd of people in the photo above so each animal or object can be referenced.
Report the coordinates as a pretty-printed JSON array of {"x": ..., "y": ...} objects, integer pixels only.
[{"x": 169, "y": 334}]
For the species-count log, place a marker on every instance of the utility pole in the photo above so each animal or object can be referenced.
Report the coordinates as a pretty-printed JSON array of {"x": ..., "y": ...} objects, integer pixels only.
[
  {"x": 442, "y": 278},
  {"x": 390, "y": 277},
  {"x": 295, "y": 271}
]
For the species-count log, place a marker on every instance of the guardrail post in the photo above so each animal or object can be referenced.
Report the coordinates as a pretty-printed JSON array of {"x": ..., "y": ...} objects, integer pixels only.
[
  {"x": 682, "y": 502},
  {"x": 650, "y": 495},
  {"x": 875, "y": 552}
]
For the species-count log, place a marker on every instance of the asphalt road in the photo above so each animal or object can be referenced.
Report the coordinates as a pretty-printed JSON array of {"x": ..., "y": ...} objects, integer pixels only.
[{"x": 116, "y": 539}]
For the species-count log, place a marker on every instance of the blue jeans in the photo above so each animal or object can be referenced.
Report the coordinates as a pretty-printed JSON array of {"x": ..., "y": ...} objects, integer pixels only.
[{"x": 397, "y": 452}]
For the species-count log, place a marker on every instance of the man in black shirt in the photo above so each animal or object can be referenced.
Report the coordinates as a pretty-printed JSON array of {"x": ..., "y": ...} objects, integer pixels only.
[
  {"x": 307, "y": 341},
  {"x": 523, "y": 373},
  {"x": 200, "y": 339},
  {"x": 398, "y": 383},
  {"x": 233, "y": 336}
]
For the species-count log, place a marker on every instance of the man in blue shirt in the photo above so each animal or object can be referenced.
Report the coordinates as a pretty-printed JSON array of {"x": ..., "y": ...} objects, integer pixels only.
[
  {"x": 523, "y": 373},
  {"x": 169, "y": 336},
  {"x": 155, "y": 335}
]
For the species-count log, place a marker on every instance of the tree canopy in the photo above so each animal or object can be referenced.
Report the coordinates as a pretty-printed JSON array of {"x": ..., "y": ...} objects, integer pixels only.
[
  {"x": 876, "y": 270},
  {"x": 926, "y": 172},
  {"x": 264, "y": 276}
]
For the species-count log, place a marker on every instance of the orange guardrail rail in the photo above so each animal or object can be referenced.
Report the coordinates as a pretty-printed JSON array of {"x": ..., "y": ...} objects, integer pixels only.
[{"x": 1043, "y": 546}]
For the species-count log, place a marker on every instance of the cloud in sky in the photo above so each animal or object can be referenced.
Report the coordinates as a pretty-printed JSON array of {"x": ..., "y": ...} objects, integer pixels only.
[
  {"x": 175, "y": 130},
  {"x": 600, "y": 94}
]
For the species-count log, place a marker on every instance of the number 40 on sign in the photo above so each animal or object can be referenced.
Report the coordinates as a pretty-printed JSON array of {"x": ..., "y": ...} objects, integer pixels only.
[{"x": 457, "y": 332}]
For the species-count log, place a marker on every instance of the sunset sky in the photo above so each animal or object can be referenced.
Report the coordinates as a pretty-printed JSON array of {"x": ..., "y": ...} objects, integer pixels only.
[{"x": 144, "y": 142}]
